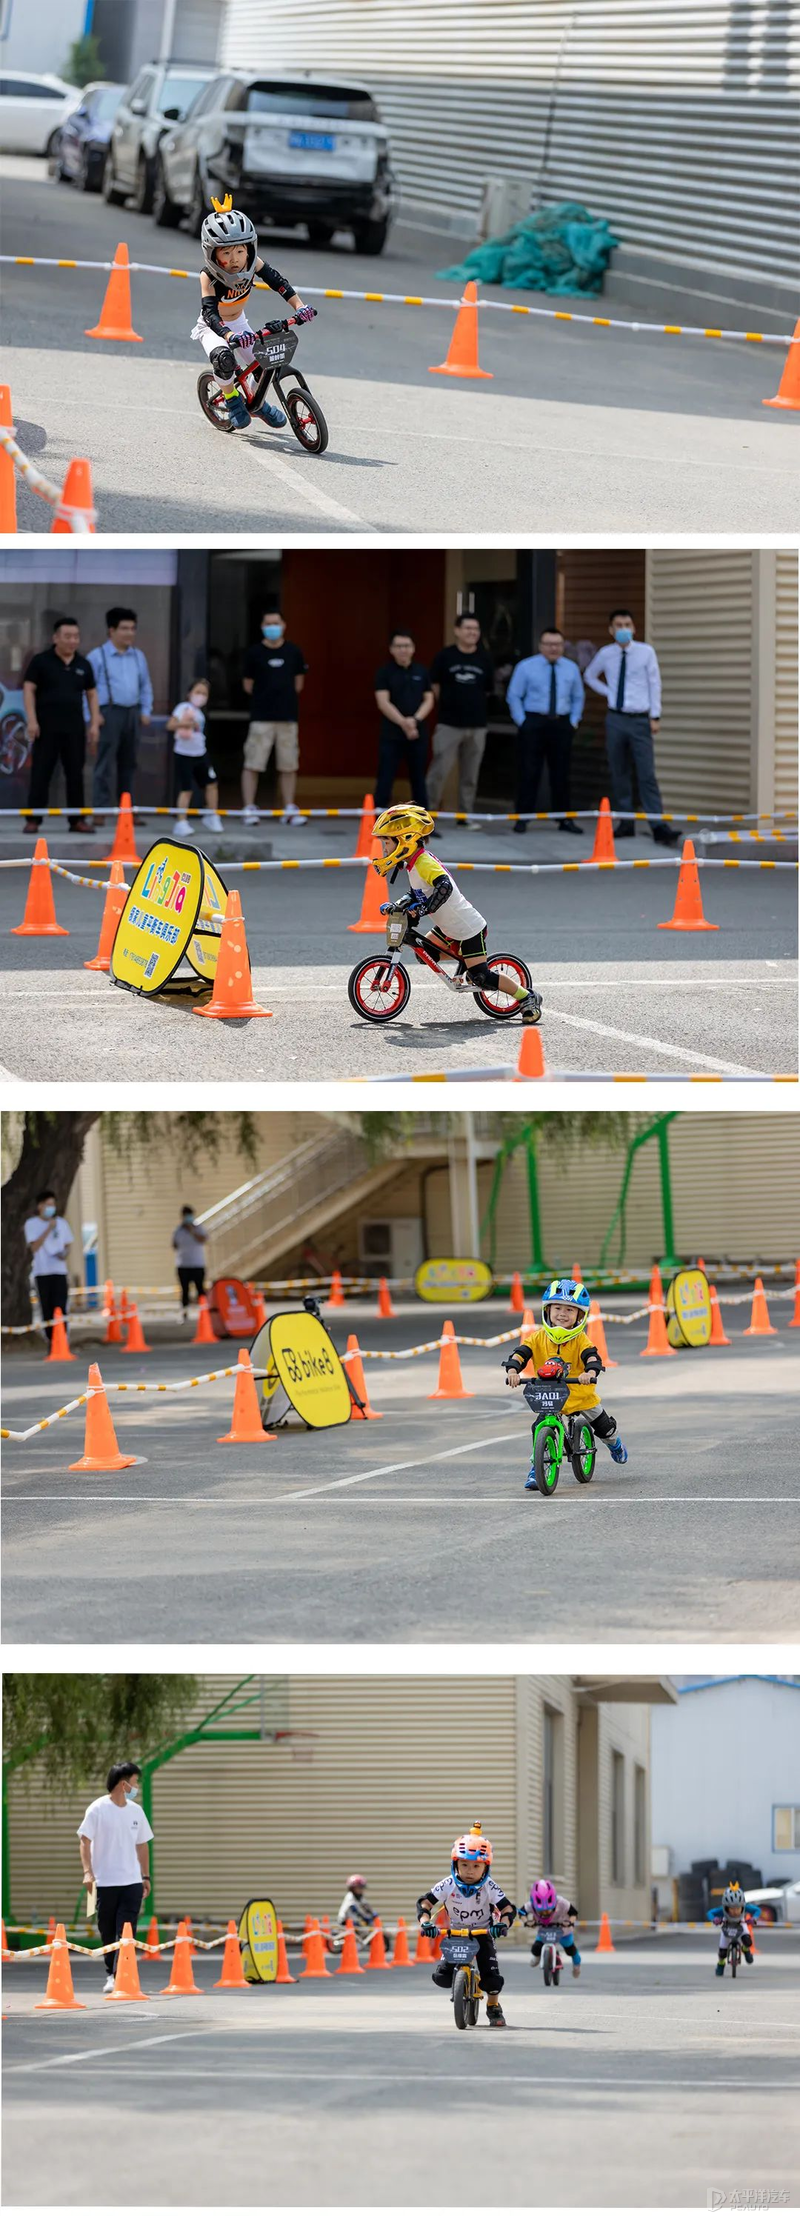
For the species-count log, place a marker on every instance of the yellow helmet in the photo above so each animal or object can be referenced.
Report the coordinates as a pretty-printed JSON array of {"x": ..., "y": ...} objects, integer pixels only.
[{"x": 405, "y": 825}]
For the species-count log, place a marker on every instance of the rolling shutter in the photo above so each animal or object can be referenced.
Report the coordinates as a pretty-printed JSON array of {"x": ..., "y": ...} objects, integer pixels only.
[
  {"x": 736, "y": 1186},
  {"x": 785, "y": 680},
  {"x": 678, "y": 124},
  {"x": 700, "y": 611},
  {"x": 196, "y": 30}
]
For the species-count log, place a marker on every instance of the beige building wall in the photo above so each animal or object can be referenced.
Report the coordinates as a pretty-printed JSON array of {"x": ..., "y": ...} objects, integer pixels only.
[
  {"x": 724, "y": 626},
  {"x": 398, "y": 1764}
]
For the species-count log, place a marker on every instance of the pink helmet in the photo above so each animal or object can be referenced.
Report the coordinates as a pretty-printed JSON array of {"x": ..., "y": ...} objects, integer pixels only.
[
  {"x": 544, "y": 1897},
  {"x": 356, "y": 1882}
]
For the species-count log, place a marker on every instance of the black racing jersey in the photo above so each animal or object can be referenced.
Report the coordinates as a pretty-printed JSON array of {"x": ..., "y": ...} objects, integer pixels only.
[{"x": 234, "y": 286}]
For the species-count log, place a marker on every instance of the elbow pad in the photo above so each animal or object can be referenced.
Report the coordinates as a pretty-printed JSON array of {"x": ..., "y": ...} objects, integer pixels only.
[
  {"x": 211, "y": 316},
  {"x": 518, "y": 1358},
  {"x": 277, "y": 284},
  {"x": 439, "y": 893},
  {"x": 591, "y": 1361}
]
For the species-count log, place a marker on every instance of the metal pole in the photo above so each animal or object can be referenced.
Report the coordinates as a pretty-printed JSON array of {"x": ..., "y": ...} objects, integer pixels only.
[
  {"x": 537, "y": 1245},
  {"x": 167, "y": 29},
  {"x": 472, "y": 1184},
  {"x": 664, "y": 1124}
]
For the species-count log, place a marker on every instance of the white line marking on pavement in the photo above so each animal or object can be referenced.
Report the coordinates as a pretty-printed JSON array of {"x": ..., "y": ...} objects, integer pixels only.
[
  {"x": 375, "y": 1473},
  {"x": 279, "y": 467},
  {"x": 266, "y": 1503},
  {"x": 647, "y": 1041},
  {"x": 103, "y": 2052},
  {"x": 428, "y": 2075}
]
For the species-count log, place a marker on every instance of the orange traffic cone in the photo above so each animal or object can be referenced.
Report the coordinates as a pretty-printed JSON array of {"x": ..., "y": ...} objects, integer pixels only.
[
  {"x": 516, "y": 1301},
  {"x": 350, "y": 1963},
  {"x": 261, "y": 1309},
  {"x": 355, "y": 1367},
  {"x": 116, "y": 898},
  {"x": 232, "y": 1977},
  {"x": 113, "y": 1333},
  {"x": 450, "y": 1383},
  {"x": 760, "y": 1323},
  {"x": 75, "y": 511},
  {"x": 604, "y": 851},
  {"x": 102, "y": 1454},
  {"x": 123, "y": 849},
  {"x": 123, "y": 1308},
  {"x": 376, "y": 1956},
  {"x": 336, "y": 1291},
  {"x": 656, "y": 1289},
  {"x": 204, "y": 1331},
  {"x": 232, "y": 993},
  {"x": 246, "y": 1425},
  {"x": 717, "y": 1338},
  {"x": 126, "y": 1979},
  {"x": 605, "y": 1941},
  {"x": 788, "y": 394},
  {"x": 8, "y": 479},
  {"x": 386, "y": 1308},
  {"x": 51, "y": 1933},
  {"x": 115, "y": 314},
  {"x": 400, "y": 1956},
  {"x": 135, "y": 1342},
  {"x": 795, "y": 1318},
  {"x": 461, "y": 360},
  {"x": 657, "y": 1345},
  {"x": 59, "y": 1993},
  {"x": 424, "y": 1949},
  {"x": 283, "y": 1975},
  {"x": 688, "y": 916},
  {"x": 531, "y": 1064},
  {"x": 6, "y": 1954},
  {"x": 369, "y": 920},
  {"x": 325, "y": 1932},
  {"x": 365, "y": 840},
  {"x": 314, "y": 1954},
  {"x": 40, "y": 912},
  {"x": 59, "y": 1350},
  {"x": 308, "y": 1925},
  {"x": 182, "y": 1984},
  {"x": 153, "y": 1946},
  {"x": 576, "y": 1273},
  {"x": 594, "y": 1327}
]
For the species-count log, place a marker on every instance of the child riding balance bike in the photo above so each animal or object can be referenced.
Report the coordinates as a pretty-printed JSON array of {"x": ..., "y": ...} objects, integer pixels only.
[
  {"x": 231, "y": 264},
  {"x": 732, "y": 1918},
  {"x": 552, "y": 1917},
  {"x": 561, "y": 1346},
  {"x": 379, "y": 989},
  {"x": 472, "y": 1901}
]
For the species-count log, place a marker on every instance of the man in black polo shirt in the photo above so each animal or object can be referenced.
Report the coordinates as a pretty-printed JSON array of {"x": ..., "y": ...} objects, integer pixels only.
[
  {"x": 462, "y": 677},
  {"x": 274, "y": 677},
  {"x": 53, "y": 689},
  {"x": 404, "y": 696}
]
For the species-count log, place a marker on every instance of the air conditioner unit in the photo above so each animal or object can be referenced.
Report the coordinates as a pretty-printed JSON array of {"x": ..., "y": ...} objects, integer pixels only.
[
  {"x": 391, "y": 1246},
  {"x": 505, "y": 201}
]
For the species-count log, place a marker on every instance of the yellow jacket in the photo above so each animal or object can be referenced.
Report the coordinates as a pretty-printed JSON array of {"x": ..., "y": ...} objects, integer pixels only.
[{"x": 540, "y": 1346}]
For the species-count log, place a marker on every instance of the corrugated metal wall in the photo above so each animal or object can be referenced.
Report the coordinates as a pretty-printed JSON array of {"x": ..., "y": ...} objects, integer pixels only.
[
  {"x": 196, "y": 31},
  {"x": 673, "y": 121},
  {"x": 786, "y": 680},
  {"x": 700, "y": 619},
  {"x": 626, "y": 1729}
]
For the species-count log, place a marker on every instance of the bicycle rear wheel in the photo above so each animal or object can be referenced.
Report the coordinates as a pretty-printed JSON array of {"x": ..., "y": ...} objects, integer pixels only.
[
  {"x": 495, "y": 1002},
  {"x": 584, "y": 1453},
  {"x": 379, "y": 991},
  {"x": 212, "y": 402}
]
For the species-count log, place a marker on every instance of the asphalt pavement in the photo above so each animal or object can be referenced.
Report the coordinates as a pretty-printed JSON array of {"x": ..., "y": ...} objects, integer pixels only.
[
  {"x": 415, "y": 1527},
  {"x": 620, "y": 995},
  {"x": 578, "y": 429},
  {"x": 645, "y": 2083}
]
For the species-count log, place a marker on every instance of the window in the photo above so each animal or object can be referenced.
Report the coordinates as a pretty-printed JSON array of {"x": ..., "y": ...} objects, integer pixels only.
[
  {"x": 640, "y": 1859},
  {"x": 786, "y": 1828},
  {"x": 141, "y": 87},
  {"x": 181, "y": 93},
  {"x": 311, "y": 100},
  {"x": 104, "y": 103},
  {"x": 29, "y": 88},
  {"x": 212, "y": 96},
  {"x": 617, "y": 1817},
  {"x": 553, "y": 1793}
]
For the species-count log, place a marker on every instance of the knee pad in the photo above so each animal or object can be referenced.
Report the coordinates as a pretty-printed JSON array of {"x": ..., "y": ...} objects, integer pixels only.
[
  {"x": 603, "y": 1425},
  {"x": 483, "y": 975},
  {"x": 442, "y": 1976},
  {"x": 223, "y": 361}
]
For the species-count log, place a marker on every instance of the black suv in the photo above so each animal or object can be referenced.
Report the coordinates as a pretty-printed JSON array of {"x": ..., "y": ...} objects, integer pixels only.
[
  {"x": 162, "y": 94},
  {"x": 289, "y": 150}
]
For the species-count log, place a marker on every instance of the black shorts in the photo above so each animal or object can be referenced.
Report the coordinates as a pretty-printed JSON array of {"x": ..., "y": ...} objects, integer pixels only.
[
  {"x": 191, "y": 772},
  {"x": 488, "y": 1970},
  {"x": 475, "y": 945}
]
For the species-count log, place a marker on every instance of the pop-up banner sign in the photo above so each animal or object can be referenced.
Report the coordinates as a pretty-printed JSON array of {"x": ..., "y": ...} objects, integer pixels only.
[
  {"x": 688, "y": 1309},
  {"x": 452, "y": 1280},
  {"x": 258, "y": 1937},
  {"x": 232, "y": 1309},
  {"x": 295, "y": 1352},
  {"x": 174, "y": 911}
]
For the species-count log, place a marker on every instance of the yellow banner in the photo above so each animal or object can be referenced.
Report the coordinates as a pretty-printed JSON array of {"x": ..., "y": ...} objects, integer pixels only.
[
  {"x": 159, "y": 917},
  {"x": 688, "y": 1309},
  {"x": 452, "y": 1280},
  {"x": 308, "y": 1367},
  {"x": 258, "y": 1937},
  {"x": 203, "y": 949}
]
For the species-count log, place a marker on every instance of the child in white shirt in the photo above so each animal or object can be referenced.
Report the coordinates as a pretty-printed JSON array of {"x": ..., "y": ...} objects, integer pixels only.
[{"x": 192, "y": 769}]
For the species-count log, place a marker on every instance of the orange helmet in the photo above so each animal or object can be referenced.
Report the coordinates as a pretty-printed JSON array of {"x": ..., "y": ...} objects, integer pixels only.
[{"x": 472, "y": 1845}]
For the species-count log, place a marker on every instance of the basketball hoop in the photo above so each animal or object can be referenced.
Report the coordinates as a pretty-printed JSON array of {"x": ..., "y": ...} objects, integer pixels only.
[{"x": 299, "y": 1741}]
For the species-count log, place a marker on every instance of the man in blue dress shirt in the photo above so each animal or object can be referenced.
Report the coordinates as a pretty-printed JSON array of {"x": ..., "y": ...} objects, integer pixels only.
[
  {"x": 627, "y": 673},
  {"x": 545, "y": 697},
  {"x": 125, "y": 696}
]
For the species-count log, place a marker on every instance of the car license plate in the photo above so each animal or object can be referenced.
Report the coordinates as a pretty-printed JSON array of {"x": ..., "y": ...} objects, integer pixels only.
[{"x": 319, "y": 142}]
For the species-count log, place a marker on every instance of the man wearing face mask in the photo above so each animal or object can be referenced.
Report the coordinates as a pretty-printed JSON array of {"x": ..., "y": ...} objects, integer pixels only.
[
  {"x": 188, "y": 1243},
  {"x": 49, "y": 1239},
  {"x": 274, "y": 676},
  {"x": 627, "y": 673},
  {"x": 114, "y": 1835}
]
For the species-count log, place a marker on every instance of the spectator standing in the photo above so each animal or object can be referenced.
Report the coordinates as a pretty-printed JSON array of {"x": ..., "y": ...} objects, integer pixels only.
[
  {"x": 189, "y": 1242},
  {"x": 114, "y": 1835},
  {"x": 627, "y": 673},
  {"x": 463, "y": 677},
  {"x": 125, "y": 695},
  {"x": 274, "y": 677},
  {"x": 545, "y": 697},
  {"x": 49, "y": 1239},
  {"x": 57, "y": 683},
  {"x": 404, "y": 696},
  {"x": 193, "y": 771}
]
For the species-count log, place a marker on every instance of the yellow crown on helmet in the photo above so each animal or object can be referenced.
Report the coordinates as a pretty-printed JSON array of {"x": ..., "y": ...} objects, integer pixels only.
[{"x": 405, "y": 825}]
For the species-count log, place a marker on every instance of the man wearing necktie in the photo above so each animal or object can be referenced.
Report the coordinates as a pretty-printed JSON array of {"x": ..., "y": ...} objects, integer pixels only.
[
  {"x": 545, "y": 697},
  {"x": 627, "y": 673}
]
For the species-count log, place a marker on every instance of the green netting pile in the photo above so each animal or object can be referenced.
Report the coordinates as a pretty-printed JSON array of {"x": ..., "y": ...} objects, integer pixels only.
[{"x": 559, "y": 250}]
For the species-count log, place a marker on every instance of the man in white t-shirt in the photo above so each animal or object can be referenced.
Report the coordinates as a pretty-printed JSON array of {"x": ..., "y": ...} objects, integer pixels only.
[
  {"x": 114, "y": 1835},
  {"x": 188, "y": 1243},
  {"x": 49, "y": 1239}
]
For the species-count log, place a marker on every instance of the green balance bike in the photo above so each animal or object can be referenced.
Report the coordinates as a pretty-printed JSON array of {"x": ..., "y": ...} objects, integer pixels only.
[{"x": 557, "y": 1435}]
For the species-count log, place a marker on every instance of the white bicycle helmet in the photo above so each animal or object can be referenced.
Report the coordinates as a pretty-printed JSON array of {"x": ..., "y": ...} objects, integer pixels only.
[{"x": 228, "y": 227}]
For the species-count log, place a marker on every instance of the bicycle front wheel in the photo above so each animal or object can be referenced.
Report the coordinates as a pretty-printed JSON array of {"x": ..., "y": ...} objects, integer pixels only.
[
  {"x": 306, "y": 419},
  {"x": 546, "y": 1460},
  {"x": 496, "y": 1002},
  {"x": 378, "y": 990},
  {"x": 461, "y": 1997},
  {"x": 474, "y": 2005}
]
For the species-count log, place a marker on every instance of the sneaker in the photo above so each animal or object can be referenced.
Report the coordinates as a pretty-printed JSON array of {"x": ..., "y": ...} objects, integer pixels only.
[
  {"x": 521, "y": 825},
  {"x": 32, "y": 825},
  {"x": 108, "y": 1986},
  {"x": 618, "y": 1452},
  {"x": 213, "y": 822},
  {"x": 720, "y": 1968},
  {"x": 576, "y": 1965},
  {"x": 271, "y": 415},
  {"x": 182, "y": 829},
  {"x": 568, "y": 825},
  {"x": 250, "y": 815},
  {"x": 496, "y": 2017},
  {"x": 530, "y": 1010},
  {"x": 531, "y": 1482},
  {"x": 292, "y": 816},
  {"x": 238, "y": 415},
  {"x": 668, "y": 836},
  {"x": 625, "y": 830},
  {"x": 749, "y": 1958}
]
